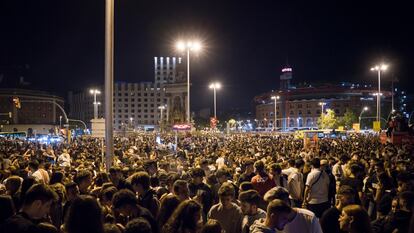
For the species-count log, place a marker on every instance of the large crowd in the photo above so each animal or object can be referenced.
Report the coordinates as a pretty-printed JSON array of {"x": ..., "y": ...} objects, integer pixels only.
[{"x": 202, "y": 183}]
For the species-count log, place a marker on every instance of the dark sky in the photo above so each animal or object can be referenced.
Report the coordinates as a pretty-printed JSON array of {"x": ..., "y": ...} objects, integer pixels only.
[{"x": 246, "y": 42}]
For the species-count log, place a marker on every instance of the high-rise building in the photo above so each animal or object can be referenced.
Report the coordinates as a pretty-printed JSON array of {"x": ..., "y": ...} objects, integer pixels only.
[{"x": 136, "y": 105}]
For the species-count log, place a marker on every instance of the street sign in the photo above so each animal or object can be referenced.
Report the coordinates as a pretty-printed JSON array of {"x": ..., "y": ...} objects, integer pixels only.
[
  {"x": 377, "y": 126},
  {"x": 98, "y": 128}
]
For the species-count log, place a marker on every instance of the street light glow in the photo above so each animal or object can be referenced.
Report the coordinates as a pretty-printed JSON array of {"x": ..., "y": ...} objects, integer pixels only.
[
  {"x": 275, "y": 97},
  {"x": 322, "y": 103},
  {"x": 189, "y": 45},
  {"x": 180, "y": 45},
  {"x": 381, "y": 67},
  {"x": 94, "y": 91},
  {"x": 365, "y": 108},
  {"x": 215, "y": 85}
]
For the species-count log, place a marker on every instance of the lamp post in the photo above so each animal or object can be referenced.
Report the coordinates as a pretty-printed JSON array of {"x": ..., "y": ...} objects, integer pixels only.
[
  {"x": 60, "y": 122},
  {"x": 360, "y": 115},
  {"x": 322, "y": 104},
  {"x": 379, "y": 68},
  {"x": 215, "y": 86},
  {"x": 188, "y": 46},
  {"x": 161, "y": 108},
  {"x": 95, "y": 92},
  {"x": 275, "y": 112},
  {"x": 131, "y": 120}
]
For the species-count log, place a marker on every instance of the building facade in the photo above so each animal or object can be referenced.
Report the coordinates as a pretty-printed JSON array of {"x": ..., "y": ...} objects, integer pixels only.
[
  {"x": 300, "y": 107},
  {"x": 36, "y": 107},
  {"x": 137, "y": 105}
]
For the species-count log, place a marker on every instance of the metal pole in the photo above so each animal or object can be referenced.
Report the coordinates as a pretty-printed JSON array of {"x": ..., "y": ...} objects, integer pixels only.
[
  {"x": 109, "y": 80},
  {"x": 379, "y": 94},
  {"x": 392, "y": 92},
  {"x": 95, "y": 106},
  {"x": 275, "y": 115},
  {"x": 188, "y": 87},
  {"x": 161, "y": 120},
  {"x": 215, "y": 106}
]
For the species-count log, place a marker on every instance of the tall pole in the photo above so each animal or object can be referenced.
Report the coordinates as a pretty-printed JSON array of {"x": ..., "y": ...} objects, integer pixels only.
[
  {"x": 95, "y": 106},
  {"x": 188, "y": 86},
  {"x": 392, "y": 96},
  {"x": 109, "y": 81},
  {"x": 215, "y": 103},
  {"x": 161, "y": 123},
  {"x": 275, "y": 115},
  {"x": 379, "y": 96}
]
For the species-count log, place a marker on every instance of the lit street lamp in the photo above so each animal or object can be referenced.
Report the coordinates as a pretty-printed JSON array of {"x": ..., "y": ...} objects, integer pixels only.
[
  {"x": 379, "y": 68},
  {"x": 95, "y": 92},
  {"x": 188, "y": 46},
  {"x": 161, "y": 108},
  {"x": 360, "y": 115},
  {"x": 215, "y": 86},
  {"x": 322, "y": 104},
  {"x": 275, "y": 112}
]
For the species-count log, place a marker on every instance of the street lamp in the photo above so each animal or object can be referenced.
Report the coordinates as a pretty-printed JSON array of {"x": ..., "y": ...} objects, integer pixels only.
[
  {"x": 275, "y": 112},
  {"x": 215, "y": 86},
  {"x": 188, "y": 46},
  {"x": 95, "y": 92},
  {"x": 379, "y": 68},
  {"x": 322, "y": 104},
  {"x": 161, "y": 108},
  {"x": 360, "y": 115}
]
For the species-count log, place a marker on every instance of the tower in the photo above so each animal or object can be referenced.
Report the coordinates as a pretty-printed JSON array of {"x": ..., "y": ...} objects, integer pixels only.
[{"x": 285, "y": 78}]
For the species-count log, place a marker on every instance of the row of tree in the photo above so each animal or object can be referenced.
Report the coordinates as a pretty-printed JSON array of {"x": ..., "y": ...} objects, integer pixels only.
[{"x": 330, "y": 121}]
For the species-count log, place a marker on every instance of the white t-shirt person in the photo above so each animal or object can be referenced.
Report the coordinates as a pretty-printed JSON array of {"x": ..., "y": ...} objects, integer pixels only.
[
  {"x": 305, "y": 221},
  {"x": 319, "y": 189}
]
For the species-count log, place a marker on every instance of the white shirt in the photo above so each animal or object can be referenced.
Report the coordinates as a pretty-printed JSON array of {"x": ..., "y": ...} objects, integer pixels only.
[
  {"x": 319, "y": 189},
  {"x": 305, "y": 221},
  {"x": 288, "y": 171},
  {"x": 41, "y": 175},
  {"x": 295, "y": 185},
  {"x": 64, "y": 160}
]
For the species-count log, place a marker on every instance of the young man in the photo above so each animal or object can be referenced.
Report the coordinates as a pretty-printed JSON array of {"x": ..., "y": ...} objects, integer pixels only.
[
  {"x": 181, "y": 191},
  {"x": 262, "y": 182},
  {"x": 281, "y": 217},
  {"x": 249, "y": 202},
  {"x": 147, "y": 197},
  {"x": 126, "y": 203},
  {"x": 84, "y": 180},
  {"x": 316, "y": 196},
  {"x": 200, "y": 190},
  {"x": 36, "y": 206},
  {"x": 295, "y": 184},
  {"x": 226, "y": 212}
]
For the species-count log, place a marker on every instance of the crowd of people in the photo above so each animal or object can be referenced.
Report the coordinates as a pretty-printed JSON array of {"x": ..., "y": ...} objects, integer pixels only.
[{"x": 207, "y": 183}]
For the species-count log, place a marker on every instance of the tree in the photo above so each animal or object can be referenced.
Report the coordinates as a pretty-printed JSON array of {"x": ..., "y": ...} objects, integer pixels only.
[
  {"x": 327, "y": 120},
  {"x": 348, "y": 119}
]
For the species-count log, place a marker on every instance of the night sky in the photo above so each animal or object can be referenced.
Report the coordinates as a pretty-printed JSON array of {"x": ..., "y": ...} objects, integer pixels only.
[{"x": 246, "y": 43}]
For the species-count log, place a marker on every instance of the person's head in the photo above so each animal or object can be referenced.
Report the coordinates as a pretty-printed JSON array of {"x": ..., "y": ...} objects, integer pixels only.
[
  {"x": 343, "y": 159},
  {"x": 222, "y": 175},
  {"x": 38, "y": 200},
  {"x": 277, "y": 193},
  {"x": 278, "y": 214},
  {"x": 246, "y": 185},
  {"x": 355, "y": 219},
  {"x": 275, "y": 169},
  {"x": 291, "y": 162},
  {"x": 151, "y": 167},
  {"x": 168, "y": 204},
  {"x": 299, "y": 163},
  {"x": 72, "y": 190},
  {"x": 124, "y": 202},
  {"x": 197, "y": 175},
  {"x": 140, "y": 182},
  {"x": 115, "y": 174},
  {"x": 107, "y": 194},
  {"x": 187, "y": 215},
  {"x": 84, "y": 216},
  {"x": 212, "y": 226},
  {"x": 259, "y": 167},
  {"x": 83, "y": 179},
  {"x": 33, "y": 165},
  {"x": 406, "y": 201},
  {"x": 346, "y": 195},
  {"x": 249, "y": 202},
  {"x": 13, "y": 184},
  {"x": 403, "y": 181},
  {"x": 248, "y": 166},
  {"x": 316, "y": 163},
  {"x": 112, "y": 228},
  {"x": 7, "y": 207},
  {"x": 138, "y": 225},
  {"x": 226, "y": 194},
  {"x": 57, "y": 177},
  {"x": 180, "y": 189}
]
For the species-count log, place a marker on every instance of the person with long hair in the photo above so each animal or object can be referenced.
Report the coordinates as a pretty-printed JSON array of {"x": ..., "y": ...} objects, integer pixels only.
[
  {"x": 168, "y": 204},
  {"x": 84, "y": 216},
  {"x": 185, "y": 218},
  {"x": 355, "y": 219}
]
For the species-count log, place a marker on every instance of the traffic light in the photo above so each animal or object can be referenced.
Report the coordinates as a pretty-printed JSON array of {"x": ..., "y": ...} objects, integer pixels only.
[{"x": 16, "y": 102}]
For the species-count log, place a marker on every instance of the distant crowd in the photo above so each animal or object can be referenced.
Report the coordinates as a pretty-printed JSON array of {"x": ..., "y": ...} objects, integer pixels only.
[{"x": 202, "y": 183}]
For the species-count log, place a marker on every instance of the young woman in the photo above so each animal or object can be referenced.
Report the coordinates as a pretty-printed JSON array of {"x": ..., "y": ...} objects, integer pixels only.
[
  {"x": 354, "y": 219},
  {"x": 185, "y": 218}
]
